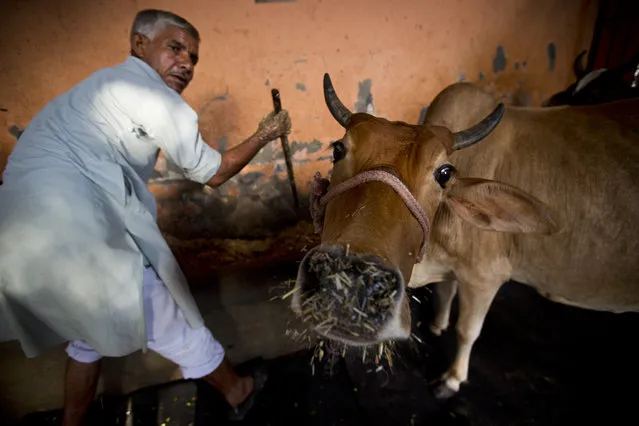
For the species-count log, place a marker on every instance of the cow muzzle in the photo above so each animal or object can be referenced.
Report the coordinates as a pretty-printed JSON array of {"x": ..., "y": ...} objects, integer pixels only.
[{"x": 349, "y": 297}]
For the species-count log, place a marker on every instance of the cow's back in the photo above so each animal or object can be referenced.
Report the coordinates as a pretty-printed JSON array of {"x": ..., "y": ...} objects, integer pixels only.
[{"x": 584, "y": 163}]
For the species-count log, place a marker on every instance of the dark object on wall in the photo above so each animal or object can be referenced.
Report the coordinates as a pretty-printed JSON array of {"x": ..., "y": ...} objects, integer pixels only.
[
  {"x": 613, "y": 57},
  {"x": 16, "y": 131},
  {"x": 277, "y": 106},
  {"x": 599, "y": 86}
]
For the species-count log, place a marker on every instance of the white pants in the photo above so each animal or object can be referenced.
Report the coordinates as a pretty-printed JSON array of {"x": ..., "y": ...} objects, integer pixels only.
[{"x": 194, "y": 350}]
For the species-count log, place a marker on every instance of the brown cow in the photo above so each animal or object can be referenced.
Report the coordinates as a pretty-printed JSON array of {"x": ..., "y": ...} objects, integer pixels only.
[{"x": 549, "y": 198}]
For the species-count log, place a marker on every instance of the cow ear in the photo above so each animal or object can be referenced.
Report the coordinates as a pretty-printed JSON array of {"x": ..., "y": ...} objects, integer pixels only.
[{"x": 496, "y": 206}]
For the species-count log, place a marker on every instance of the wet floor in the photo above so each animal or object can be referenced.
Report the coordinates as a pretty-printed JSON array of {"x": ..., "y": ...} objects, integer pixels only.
[{"x": 535, "y": 363}]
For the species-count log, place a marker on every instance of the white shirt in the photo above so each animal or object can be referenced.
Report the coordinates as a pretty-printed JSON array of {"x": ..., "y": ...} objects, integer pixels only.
[{"x": 77, "y": 218}]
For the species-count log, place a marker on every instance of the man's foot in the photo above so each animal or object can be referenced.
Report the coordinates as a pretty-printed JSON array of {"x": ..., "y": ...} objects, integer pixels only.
[
  {"x": 240, "y": 392},
  {"x": 239, "y": 387},
  {"x": 255, "y": 376}
]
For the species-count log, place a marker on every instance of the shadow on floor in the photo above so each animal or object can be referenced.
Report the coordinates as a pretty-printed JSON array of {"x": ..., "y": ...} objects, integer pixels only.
[{"x": 535, "y": 363}]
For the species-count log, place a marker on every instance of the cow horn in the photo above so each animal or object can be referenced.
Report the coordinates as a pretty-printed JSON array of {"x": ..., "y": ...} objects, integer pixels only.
[
  {"x": 578, "y": 66},
  {"x": 335, "y": 106},
  {"x": 480, "y": 130}
]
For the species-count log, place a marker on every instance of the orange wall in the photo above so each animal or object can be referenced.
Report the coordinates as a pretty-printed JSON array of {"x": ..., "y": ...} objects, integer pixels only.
[{"x": 408, "y": 49}]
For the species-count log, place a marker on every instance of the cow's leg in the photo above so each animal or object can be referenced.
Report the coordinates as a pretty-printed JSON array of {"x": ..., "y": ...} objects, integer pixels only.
[
  {"x": 444, "y": 294},
  {"x": 474, "y": 301}
]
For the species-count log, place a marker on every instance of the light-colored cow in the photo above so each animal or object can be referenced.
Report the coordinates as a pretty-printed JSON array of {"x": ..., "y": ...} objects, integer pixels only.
[{"x": 548, "y": 198}]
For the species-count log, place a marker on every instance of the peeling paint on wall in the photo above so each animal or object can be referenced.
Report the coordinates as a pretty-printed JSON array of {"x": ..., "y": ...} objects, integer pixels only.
[
  {"x": 552, "y": 56},
  {"x": 305, "y": 147},
  {"x": 250, "y": 205},
  {"x": 365, "y": 97},
  {"x": 265, "y": 155},
  {"x": 272, "y": 152},
  {"x": 221, "y": 144},
  {"x": 217, "y": 98},
  {"x": 16, "y": 131},
  {"x": 499, "y": 63},
  {"x": 250, "y": 178}
]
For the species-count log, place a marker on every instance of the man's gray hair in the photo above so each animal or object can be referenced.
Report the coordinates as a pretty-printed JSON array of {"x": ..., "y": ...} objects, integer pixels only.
[{"x": 150, "y": 22}]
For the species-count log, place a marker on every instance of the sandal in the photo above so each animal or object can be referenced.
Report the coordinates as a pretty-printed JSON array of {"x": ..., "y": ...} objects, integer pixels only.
[{"x": 257, "y": 369}]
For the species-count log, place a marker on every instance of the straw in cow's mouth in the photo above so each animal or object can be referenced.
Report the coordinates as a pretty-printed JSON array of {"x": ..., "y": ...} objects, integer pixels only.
[
  {"x": 326, "y": 349},
  {"x": 347, "y": 295}
]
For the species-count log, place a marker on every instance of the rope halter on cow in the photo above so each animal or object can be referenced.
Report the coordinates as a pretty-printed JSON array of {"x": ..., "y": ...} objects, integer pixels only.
[{"x": 321, "y": 195}]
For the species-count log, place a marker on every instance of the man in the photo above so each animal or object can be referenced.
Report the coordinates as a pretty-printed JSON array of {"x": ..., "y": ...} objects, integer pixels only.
[{"x": 82, "y": 259}]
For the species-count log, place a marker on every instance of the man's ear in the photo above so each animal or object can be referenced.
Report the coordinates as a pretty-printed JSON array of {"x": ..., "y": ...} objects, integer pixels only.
[
  {"x": 496, "y": 206},
  {"x": 139, "y": 45}
]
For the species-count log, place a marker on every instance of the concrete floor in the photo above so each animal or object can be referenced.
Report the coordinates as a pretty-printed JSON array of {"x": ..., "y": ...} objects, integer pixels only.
[
  {"x": 536, "y": 363},
  {"x": 236, "y": 305}
]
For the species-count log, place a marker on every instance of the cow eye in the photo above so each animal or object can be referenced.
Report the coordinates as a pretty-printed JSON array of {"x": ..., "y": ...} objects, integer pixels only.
[
  {"x": 443, "y": 174},
  {"x": 339, "y": 151}
]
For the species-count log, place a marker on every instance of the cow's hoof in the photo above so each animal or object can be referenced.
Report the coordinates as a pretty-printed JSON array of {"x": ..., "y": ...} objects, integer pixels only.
[
  {"x": 446, "y": 388},
  {"x": 436, "y": 329},
  {"x": 443, "y": 392}
]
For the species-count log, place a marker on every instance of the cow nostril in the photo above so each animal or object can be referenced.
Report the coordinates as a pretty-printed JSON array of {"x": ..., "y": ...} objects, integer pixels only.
[{"x": 348, "y": 295}]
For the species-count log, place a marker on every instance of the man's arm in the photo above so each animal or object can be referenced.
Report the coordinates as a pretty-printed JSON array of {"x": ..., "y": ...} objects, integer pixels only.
[{"x": 234, "y": 160}]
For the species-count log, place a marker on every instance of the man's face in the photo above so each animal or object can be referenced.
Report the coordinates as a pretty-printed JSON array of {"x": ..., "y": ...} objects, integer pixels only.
[{"x": 173, "y": 54}]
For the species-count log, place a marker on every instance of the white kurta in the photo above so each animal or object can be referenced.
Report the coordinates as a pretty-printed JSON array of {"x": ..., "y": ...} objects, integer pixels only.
[{"x": 77, "y": 219}]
